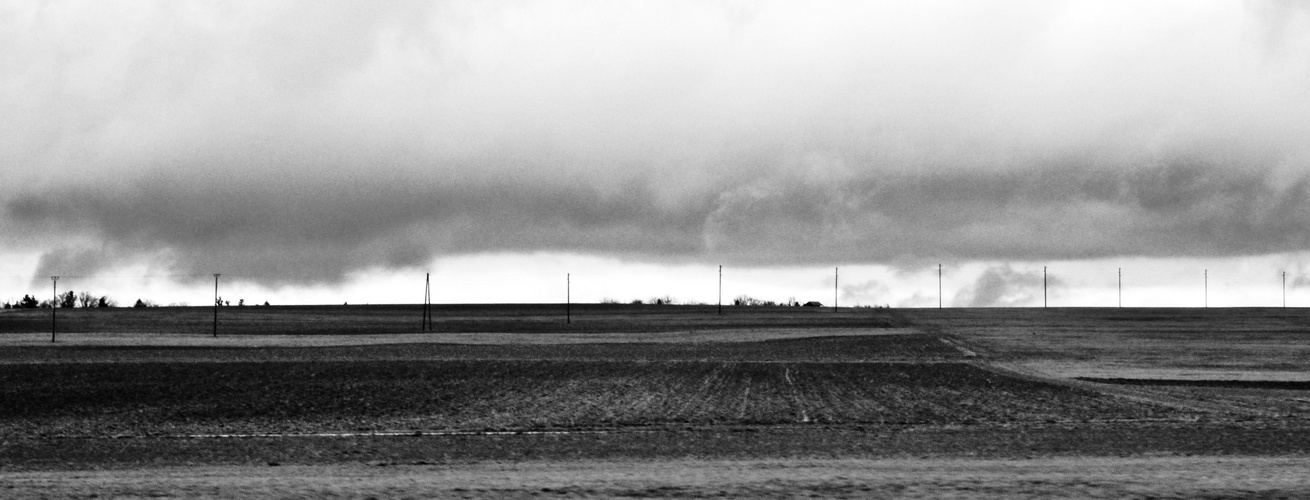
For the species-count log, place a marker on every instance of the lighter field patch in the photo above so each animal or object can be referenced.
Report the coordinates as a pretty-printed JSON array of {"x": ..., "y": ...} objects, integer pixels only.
[
  {"x": 1076, "y": 369},
  {"x": 1054, "y": 477}
]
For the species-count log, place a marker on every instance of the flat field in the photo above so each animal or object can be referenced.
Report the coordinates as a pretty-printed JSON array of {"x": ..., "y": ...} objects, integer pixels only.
[
  {"x": 1153, "y": 343},
  {"x": 922, "y": 397},
  {"x": 378, "y": 319}
]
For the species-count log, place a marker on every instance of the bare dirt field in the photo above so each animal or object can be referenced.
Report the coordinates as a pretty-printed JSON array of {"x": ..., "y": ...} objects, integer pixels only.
[{"x": 668, "y": 401}]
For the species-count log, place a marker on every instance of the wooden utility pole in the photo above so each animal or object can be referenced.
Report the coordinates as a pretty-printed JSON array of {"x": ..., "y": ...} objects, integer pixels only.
[
  {"x": 1121, "y": 287},
  {"x": 568, "y": 298},
  {"x": 1207, "y": 288},
  {"x": 216, "y": 275},
  {"x": 834, "y": 289},
  {"x": 939, "y": 286},
  {"x": 1284, "y": 289},
  {"x": 1043, "y": 287},
  {"x": 720, "y": 289},
  {"x": 54, "y": 305}
]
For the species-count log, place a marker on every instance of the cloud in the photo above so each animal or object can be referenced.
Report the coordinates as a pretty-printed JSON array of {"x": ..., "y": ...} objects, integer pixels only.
[
  {"x": 867, "y": 292},
  {"x": 298, "y": 142},
  {"x": 919, "y": 299},
  {"x": 276, "y": 229},
  {"x": 1002, "y": 286}
]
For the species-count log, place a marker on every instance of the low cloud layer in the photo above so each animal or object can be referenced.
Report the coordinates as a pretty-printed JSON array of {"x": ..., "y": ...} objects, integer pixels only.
[
  {"x": 1002, "y": 286},
  {"x": 295, "y": 143}
]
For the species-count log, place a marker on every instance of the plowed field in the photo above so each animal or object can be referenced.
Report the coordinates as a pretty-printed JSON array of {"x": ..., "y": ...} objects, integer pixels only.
[{"x": 300, "y": 397}]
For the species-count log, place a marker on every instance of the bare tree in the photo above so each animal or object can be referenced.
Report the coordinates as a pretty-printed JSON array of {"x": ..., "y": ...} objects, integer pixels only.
[
  {"x": 665, "y": 300},
  {"x": 85, "y": 299},
  {"x": 747, "y": 300}
]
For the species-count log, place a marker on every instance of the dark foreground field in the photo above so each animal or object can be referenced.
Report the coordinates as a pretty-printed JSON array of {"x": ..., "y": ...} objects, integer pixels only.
[{"x": 921, "y": 401}]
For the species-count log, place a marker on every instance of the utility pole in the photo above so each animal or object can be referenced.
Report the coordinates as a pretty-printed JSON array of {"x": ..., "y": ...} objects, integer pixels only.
[
  {"x": 54, "y": 304},
  {"x": 834, "y": 289},
  {"x": 1043, "y": 287},
  {"x": 1121, "y": 287},
  {"x": 1284, "y": 289},
  {"x": 1207, "y": 288},
  {"x": 720, "y": 289},
  {"x": 216, "y": 275},
  {"x": 427, "y": 303},
  {"x": 939, "y": 286},
  {"x": 568, "y": 298}
]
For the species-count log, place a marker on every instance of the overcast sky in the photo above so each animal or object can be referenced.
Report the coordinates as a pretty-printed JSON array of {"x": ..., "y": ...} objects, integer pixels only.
[{"x": 308, "y": 148}]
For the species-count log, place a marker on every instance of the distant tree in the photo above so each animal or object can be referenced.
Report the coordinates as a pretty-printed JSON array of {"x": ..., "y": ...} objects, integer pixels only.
[
  {"x": 45, "y": 304},
  {"x": 85, "y": 299},
  {"x": 241, "y": 302},
  {"x": 265, "y": 302},
  {"x": 7, "y": 305},
  {"x": 139, "y": 303},
  {"x": 637, "y": 302},
  {"x": 747, "y": 300},
  {"x": 29, "y": 302},
  {"x": 105, "y": 301},
  {"x": 665, "y": 300},
  {"x": 68, "y": 299}
]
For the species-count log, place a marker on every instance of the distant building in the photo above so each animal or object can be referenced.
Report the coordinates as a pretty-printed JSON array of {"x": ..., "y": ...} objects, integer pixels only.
[{"x": 813, "y": 303}]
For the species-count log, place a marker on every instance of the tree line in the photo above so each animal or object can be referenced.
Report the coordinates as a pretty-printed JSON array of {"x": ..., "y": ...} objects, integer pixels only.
[{"x": 69, "y": 299}]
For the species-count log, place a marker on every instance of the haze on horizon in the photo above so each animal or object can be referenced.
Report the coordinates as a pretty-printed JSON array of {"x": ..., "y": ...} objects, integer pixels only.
[{"x": 304, "y": 147}]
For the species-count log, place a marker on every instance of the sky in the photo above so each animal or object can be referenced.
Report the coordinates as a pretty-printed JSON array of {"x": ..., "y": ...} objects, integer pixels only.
[{"x": 523, "y": 151}]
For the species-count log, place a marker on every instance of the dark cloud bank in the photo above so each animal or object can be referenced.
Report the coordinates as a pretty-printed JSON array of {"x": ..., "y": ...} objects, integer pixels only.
[
  {"x": 285, "y": 228},
  {"x": 673, "y": 133}
]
